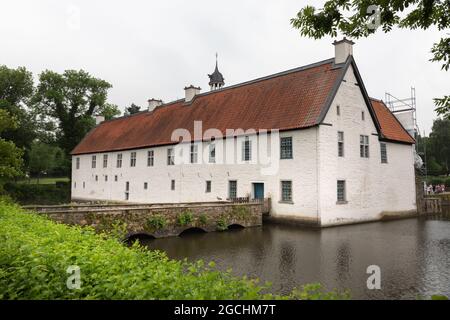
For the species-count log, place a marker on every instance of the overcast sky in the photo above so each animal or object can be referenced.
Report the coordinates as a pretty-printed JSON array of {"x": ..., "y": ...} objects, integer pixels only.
[{"x": 154, "y": 49}]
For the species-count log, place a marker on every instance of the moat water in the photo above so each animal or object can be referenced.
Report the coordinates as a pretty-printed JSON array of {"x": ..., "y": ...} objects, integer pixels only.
[{"x": 413, "y": 254}]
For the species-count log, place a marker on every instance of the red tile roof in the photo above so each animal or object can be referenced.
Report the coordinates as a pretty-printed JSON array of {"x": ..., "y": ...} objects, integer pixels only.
[
  {"x": 293, "y": 99},
  {"x": 391, "y": 129}
]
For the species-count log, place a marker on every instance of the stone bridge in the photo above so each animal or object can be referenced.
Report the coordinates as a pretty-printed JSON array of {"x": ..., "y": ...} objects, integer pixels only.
[{"x": 157, "y": 220}]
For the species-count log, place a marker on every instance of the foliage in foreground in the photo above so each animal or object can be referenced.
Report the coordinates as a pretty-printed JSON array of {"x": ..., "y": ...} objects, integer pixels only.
[{"x": 36, "y": 252}]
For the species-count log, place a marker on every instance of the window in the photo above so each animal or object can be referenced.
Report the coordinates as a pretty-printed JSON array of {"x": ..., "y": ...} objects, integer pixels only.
[
  {"x": 232, "y": 189},
  {"x": 383, "y": 150},
  {"x": 133, "y": 159},
  {"x": 106, "y": 178},
  {"x": 150, "y": 158},
  {"x": 119, "y": 160},
  {"x": 127, "y": 190},
  {"x": 286, "y": 191},
  {"x": 194, "y": 153},
  {"x": 340, "y": 144},
  {"x": 208, "y": 186},
  {"x": 364, "y": 146},
  {"x": 286, "y": 148},
  {"x": 105, "y": 161},
  {"x": 84, "y": 184},
  {"x": 338, "y": 110},
  {"x": 172, "y": 184},
  {"x": 94, "y": 162},
  {"x": 363, "y": 116},
  {"x": 341, "y": 191},
  {"x": 77, "y": 163},
  {"x": 170, "y": 157},
  {"x": 96, "y": 177},
  {"x": 247, "y": 149},
  {"x": 116, "y": 178},
  {"x": 74, "y": 185},
  {"x": 145, "y": 185},
  {"x": 212, "y": 153}
]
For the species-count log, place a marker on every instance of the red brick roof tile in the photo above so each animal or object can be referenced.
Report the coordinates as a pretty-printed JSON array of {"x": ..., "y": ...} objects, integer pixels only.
[
  {"x": 289, "y": 100},
  {"x": 391, "y": 129}
]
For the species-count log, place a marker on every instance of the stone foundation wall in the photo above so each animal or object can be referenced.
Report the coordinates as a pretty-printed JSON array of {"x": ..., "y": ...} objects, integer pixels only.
[{"x": 162, "y": 221}]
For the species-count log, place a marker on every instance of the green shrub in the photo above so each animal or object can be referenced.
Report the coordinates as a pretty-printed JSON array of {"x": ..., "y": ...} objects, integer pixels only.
[
  {"x": 221, "y": 224},
  {"x": 156, "y": 222},
  {"x": 185, "y": 218},
  {"x": 45, "y": 194},
  {"x": 203, "y": 219},
  {"x": 35, "y": 254}
]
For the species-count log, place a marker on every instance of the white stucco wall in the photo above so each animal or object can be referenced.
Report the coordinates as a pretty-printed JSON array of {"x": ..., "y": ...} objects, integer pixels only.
[
  {"x": 191, "y": 178},
  {"x": 372, "y": 187}
]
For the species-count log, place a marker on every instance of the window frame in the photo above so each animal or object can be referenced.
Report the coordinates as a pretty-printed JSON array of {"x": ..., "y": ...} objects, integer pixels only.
[
  {"x": 341, "y": 190},
  {"x": 284, "y": 154},
  {"x": 170, "y": 157},
  {"x": 150, "y": 158},
  {"x": 364, "y": 146},
  {"x": 133, "y": 157},
  {"x": 247, "y": 149},
  {"x": 94, "y": 161},
  {"x": 119, "y": 160},
  {"x": 105, "y": 161},
  {"x": 77, "y": 163},
  {"x": 289, "y": 200},
  {"x": 208, "y": 186},
  {"x": 230, "y": 182},
  {"x": 341, "y": 143},
  {"x": 193, "y": 153},
  {"x": 383, "y": 155},
  {"x": 212, "y": 152}
]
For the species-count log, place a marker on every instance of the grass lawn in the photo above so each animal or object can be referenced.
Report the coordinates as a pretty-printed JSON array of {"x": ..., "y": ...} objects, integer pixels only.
[{"x": 44, "y": 180}]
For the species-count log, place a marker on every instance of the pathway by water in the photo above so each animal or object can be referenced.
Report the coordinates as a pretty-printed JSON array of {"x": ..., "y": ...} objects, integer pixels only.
[{"x": 413, "y": 254}]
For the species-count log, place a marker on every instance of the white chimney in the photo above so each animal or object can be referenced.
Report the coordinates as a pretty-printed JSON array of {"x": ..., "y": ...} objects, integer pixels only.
[
  {"x": 191, "y": 92},
  {"x": 153, "y": 103},
  {"x": 342, "y": 49},
  {"x": 99, "y": 119}
]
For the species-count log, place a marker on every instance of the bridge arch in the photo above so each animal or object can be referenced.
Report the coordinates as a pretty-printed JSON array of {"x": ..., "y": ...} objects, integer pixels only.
[
  {"x": 236, "y": 226},
  {"x": 131, "y": 237},
  {"x": 192, "y": 230}
]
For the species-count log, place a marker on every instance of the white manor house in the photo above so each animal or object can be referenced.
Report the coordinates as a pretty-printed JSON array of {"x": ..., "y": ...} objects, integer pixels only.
[{"x": 310, "y": 139}]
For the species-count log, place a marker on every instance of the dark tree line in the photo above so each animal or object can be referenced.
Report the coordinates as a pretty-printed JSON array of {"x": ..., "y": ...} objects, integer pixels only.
[{"x": 41, "y": 123}]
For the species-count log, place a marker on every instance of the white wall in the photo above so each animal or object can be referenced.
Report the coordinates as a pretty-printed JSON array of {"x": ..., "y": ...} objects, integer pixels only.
[
  {"x": 191, "y": 178},
  {"x": 372, "y": 187}
]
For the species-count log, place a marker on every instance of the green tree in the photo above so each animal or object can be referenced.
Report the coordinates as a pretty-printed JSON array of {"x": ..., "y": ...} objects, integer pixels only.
[
  {"x": 439, "y": 144},
  {"x": 43, "y": 158},
  {"x": 70, "y": 100},
  {"x": 132, "y": 109},
  {"x": 10, "y": 156},
  {"x": 360, "y": 18},
  {"x": 16, "y": 90},
  {"x": 110, "y": 111}
]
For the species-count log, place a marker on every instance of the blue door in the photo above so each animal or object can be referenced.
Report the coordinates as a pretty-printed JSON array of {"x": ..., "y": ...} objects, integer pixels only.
[{"x": 258, "y": 190}]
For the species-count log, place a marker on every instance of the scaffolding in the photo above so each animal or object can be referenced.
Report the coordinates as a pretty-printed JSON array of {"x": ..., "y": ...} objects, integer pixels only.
[{"x": 406, "y": 111}]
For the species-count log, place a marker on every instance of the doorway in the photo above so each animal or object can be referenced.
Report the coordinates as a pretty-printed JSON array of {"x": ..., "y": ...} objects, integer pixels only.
[{"x": 258, "y": 191}]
